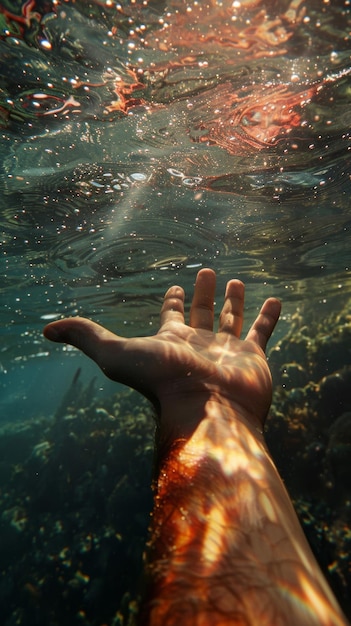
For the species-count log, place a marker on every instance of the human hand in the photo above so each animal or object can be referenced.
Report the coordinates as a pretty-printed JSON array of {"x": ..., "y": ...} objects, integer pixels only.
[{"x": 181, "y": 366}]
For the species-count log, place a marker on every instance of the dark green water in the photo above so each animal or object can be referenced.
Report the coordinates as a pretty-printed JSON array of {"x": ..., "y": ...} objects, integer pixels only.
[{"x": 140, "y": 142}]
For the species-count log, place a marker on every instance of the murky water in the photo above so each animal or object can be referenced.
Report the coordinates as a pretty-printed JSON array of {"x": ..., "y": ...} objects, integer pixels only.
[{"x": 144, "y": 140}]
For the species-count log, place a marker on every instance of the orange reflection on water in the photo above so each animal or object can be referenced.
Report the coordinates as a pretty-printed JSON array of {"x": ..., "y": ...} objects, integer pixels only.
[
  {"x": 232, "y": 112},
  {"x": 248, "y": 26},
  {"x": 253, "y": 119}
]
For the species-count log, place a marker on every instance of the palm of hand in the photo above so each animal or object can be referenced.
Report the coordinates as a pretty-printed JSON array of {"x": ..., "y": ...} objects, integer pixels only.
[{"x": 182, "y": 361}]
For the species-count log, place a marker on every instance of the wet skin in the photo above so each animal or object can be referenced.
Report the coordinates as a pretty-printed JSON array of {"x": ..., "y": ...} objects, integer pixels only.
[{"x": 225, "y": 546}]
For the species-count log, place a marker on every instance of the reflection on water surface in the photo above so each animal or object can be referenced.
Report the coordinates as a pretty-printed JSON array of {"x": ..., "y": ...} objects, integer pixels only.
[{"x": 144, "y": 140}]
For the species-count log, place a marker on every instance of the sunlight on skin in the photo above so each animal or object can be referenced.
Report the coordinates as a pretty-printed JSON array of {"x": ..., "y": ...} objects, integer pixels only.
[
  {"x": 226, "y": 547},
  {"x": 236, "y": 543}
]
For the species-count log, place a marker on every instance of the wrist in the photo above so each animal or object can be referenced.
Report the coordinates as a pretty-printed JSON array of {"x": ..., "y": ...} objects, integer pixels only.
[{"x": 193, "y": 427}]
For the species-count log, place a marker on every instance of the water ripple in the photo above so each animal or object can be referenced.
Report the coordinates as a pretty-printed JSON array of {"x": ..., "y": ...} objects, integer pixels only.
[
  {"x": 143, "y": 140},
  {"x": 139, "y": 247}
]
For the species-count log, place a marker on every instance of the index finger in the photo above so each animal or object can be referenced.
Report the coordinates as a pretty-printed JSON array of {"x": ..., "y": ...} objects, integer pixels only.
[
  {"x": 173, "y": 306},
  {"x": 264, "y": 324}
]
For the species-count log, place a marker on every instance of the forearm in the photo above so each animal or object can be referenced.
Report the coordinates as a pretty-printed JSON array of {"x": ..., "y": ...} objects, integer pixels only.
[{"x": 226, "y": 546}]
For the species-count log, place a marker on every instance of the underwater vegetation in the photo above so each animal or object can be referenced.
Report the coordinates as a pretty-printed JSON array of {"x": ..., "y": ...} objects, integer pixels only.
[
  {"x": 75, "y": 494},
  {"x": 75, "y": 502},
  {"x": 309, "y": 436}
]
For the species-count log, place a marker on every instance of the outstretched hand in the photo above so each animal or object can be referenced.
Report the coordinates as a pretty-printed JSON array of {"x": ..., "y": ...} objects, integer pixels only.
[
  {"x": 182, "y": 365},
  {"x": 225, "y": 543}
]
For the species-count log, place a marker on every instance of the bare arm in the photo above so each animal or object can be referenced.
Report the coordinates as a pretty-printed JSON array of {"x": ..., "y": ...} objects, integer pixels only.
[{"x": 226, "y": 547}]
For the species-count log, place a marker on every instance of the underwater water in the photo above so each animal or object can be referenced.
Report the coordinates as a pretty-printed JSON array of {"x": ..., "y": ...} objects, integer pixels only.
[{"x": 143, "y": 140}]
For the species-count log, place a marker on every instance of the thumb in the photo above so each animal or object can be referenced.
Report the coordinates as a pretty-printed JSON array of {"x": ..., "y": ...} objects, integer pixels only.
[
  {"x": 124, "y": 360},
  {"x": 94, "y": 340}
]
